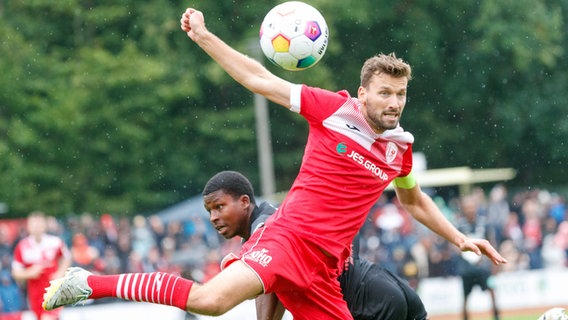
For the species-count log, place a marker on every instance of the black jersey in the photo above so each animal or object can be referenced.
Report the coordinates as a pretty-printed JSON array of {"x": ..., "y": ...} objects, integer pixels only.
[{"x": 259, "y": 216}]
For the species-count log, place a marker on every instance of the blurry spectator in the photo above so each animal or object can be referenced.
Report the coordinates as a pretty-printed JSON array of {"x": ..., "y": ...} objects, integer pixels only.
[
  {"x": 5, "y": 247},
  {"x": 135, "y": 263},
  {"x": 83, "y": 254},
  {"x": 142, "y": 237},
  {"x": 558, "y": 208},
  {"x": 110, "y": 230},
  {"x": 516, "y": 260},
  {"x": 475, "y": 270},
  {"x": 39, "y": 258},
  {"x": 531, "y": 211},
  {"x": 175, "y": 234},
  {"x": 497, "y": 213},
  {"x": 92, "y": 229},
  {"x": 481, "y": 201},
  {"x": 419, "y": 252},
  {"x": 444, "y": 208},
  {"x": 442, "y": 258},
  {"x": 197, "y": 228},
  {"x": 54, "y": 227},
  {"x": 109, "y": 262},
  {"x": 388, "y": 218},
  {"x": 553, "y": 252},
  {"x": 553, "y": 255},
  {"x": 513, "y": 230},
  {"x": 405, "y": 266},
  {"x": 158, "y": 230},
  {"x": 212, "y": 266},
  {"x": 389, "y": 221},
  {"x": 154, "y": 261},
  {"x": 11, "y": 299},
  {"x": 124, "y": 245},
  {"x": 561, "y": 239}
]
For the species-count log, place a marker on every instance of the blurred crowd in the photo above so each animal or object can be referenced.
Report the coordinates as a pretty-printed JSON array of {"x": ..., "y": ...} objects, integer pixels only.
[{"x": 529, "y": 228}]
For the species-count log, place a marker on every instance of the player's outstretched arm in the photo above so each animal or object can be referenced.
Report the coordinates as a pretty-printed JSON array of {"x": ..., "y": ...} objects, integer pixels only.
[
  {"x": 246, "y": 71},
  {"x": 423, "y": 209}
]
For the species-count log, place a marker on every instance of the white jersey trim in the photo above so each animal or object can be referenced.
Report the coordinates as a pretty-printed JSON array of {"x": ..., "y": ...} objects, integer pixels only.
[{"x": 296, "y": 98}]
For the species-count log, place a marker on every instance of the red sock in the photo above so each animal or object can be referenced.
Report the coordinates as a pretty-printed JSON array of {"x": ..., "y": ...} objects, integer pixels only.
[{"x": 156, "y": 287}]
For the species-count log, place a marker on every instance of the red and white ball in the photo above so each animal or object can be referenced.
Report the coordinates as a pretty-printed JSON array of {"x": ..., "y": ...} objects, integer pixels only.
[{"x": 294, "y": 35}]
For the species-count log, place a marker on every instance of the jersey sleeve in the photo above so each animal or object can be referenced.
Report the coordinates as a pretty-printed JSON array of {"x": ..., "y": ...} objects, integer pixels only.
[
  {"x": 316, "y": 104},
  {"x": 406, "y": 162},
  {"x": 406, "y": 179}
]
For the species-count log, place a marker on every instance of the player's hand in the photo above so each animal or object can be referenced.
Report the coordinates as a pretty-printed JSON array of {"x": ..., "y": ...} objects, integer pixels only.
[
  {"x": 35, "y": 271},
  {"x": 482, "y": 246},
  {"x": 192, "y": 22}
]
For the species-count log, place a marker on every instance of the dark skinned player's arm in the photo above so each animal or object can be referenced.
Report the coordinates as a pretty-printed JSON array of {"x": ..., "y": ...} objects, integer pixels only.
[{"x": 268, "y": 307}]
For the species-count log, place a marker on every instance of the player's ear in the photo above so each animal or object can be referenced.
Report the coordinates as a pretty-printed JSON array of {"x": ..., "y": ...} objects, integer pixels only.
[
  {"x": 245, "y": 200},
  {"x": 361, "y": 93}
]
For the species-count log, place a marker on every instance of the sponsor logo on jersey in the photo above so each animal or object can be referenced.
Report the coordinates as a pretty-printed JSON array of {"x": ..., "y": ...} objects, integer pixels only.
[
  {"x": 341, "y": 148},
  {"x": 260, "y": 256},
  {"x": 352, "y": 127},
  {"x": 367, "y": 164}
]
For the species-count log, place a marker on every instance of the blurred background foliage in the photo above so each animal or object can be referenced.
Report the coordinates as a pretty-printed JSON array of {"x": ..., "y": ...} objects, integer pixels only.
[{"x": 107, "y": 106}]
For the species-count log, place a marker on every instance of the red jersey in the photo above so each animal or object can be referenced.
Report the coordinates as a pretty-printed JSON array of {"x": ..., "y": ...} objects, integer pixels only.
[
  {"x": 345, "y": 168},
  {"x": 48, "y": 252}
]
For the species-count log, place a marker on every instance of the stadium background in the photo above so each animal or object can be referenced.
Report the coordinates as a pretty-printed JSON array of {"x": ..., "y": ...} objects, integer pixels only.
[{"x": 102, "y": 110}]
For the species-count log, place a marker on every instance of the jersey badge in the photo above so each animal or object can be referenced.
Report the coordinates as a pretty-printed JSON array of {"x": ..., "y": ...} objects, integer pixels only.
[{"x": 391, "y": 152}]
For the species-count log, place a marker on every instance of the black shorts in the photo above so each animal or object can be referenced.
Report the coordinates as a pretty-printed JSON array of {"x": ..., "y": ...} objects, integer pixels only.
[
  {"x": 374, "y": 293},
  {"x": 475, "y": 276}
]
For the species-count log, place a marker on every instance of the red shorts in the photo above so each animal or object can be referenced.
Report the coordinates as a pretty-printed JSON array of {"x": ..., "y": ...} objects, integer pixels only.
[{"x": 298, "y": 272}]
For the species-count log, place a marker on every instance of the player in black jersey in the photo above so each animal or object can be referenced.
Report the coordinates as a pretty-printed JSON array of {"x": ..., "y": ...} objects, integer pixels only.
[{"x": 371, "y": 292}]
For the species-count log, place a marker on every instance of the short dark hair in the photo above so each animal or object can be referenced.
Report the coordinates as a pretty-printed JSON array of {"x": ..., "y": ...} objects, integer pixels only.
[{"x": 230, "y": 182}]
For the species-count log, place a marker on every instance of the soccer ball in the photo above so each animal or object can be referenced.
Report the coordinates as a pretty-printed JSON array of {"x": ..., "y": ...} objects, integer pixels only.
[
  {"x": 554, "y": 314},
  {"x": 294, "y": 35}
]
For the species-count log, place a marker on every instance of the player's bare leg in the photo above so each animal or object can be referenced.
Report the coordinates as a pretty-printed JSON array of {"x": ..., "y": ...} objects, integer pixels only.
[{"x": 233, "y": 285}]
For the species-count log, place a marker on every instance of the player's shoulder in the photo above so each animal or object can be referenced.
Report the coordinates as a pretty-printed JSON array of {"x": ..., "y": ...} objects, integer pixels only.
[
  {"x": 361, "y": 266},
  {"x": 266, "y": 208},
  {"x": 309, "y": 90},
  {"x": 262, "y": 212},
  {"x": 52, "y": 240},
  {"x": 23, "y": 242},
  {"x": 318, "y": 104}
]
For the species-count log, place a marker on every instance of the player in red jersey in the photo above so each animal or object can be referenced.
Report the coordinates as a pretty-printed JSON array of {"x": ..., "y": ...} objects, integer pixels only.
[
  {"x": 355, "y": 149},
  {"x": 38, "y": 259}
]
